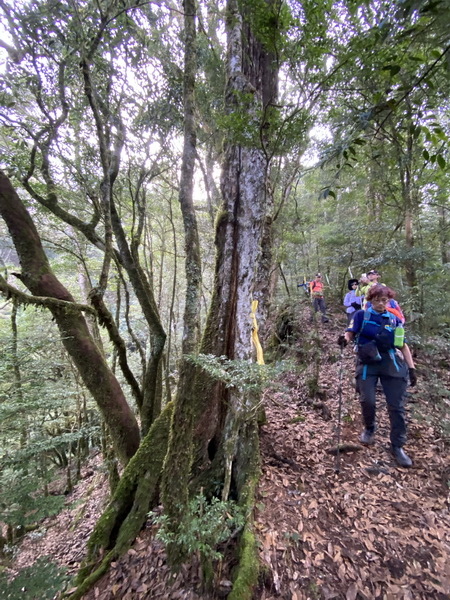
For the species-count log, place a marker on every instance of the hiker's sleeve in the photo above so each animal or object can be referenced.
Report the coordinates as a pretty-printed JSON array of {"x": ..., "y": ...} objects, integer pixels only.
[
  {"x": 356, "y": 322},
  {"x": 407, "y": 356},
  {"x": 347, "y": 299},
  {"x": 362, "y": 290}
]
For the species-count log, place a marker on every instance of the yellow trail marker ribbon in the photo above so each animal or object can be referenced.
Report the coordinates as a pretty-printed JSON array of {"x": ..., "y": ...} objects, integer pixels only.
[{"x": 255, "y": 338}]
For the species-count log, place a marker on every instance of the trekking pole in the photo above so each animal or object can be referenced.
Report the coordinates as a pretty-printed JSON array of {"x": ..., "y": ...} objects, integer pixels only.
[{"x": 338, "y": 431}]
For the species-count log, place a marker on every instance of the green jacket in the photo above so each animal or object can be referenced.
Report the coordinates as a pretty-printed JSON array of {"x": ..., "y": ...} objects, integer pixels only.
[{"x": 363, "y": 289}]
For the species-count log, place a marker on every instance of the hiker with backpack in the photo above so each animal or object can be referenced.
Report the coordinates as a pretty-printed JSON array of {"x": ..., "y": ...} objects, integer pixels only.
[
  {"x": 352, "y": 302},
  {"x": 369, "y": 280},
  {"x": 316, "y": 288},
  {"x": 382, "y": 355},
  {"x": 392, "y": 307},
  {"x": 366, "y": 281}
]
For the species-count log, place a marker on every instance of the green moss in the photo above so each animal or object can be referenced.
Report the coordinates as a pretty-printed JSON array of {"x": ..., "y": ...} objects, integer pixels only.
[
  {"x": 123, "y": 518},
  {"x": 261, "y": 416},
  {"x": 248, "y": 568},
  {"x": 221, "y": 218},
  {"x": 92, "y": 578}
]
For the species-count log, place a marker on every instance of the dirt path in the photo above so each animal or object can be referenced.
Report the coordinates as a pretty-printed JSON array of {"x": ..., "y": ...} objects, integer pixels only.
[{"x": 371, "y": 531}]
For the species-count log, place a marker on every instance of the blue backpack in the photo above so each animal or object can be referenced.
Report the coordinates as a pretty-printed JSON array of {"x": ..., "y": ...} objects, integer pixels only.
[{"x": 383, "y": 341}]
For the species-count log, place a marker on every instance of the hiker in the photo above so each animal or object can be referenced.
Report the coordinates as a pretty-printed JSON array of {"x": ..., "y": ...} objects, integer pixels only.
[
  {"x": 366, "y": 281},
  {"x": 381, "y": 355},
  {"x": 352, "y": 302},
  {"x": 392, "y": 307},
  {"x": 318, "y": 300},
  {"x": 372, "y": 279}
]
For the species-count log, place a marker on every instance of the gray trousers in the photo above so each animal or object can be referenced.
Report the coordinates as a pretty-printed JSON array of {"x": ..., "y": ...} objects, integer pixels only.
[
  {"x": 395, "y": 392},
  {"x": 319, "y": 305}
]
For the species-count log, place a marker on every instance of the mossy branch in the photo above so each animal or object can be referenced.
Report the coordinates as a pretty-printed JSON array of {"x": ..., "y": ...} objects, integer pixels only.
[
  {"x": 106, "y": 319},
  {"x": 24, "y": 299},
  {"x": 87, "y": 583}
]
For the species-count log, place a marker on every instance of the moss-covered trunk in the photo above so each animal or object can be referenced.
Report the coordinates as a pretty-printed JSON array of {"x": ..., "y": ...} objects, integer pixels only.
[
  {"x": 137, "y": 489},
  {"x": 179, "y": 457},
  {"x": 135, "y": 495},
  {"x": 151, "y": 392},
  {"x": 39, "y": 278},
  {"x": 223, "y": 416}
]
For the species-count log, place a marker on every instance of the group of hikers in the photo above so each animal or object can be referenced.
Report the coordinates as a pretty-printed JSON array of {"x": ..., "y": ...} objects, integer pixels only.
[{"x": 376, "y": 328}]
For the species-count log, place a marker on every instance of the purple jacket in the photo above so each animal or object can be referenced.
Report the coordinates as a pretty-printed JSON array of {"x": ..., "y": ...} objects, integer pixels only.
[{"x": 349, "y": 298}]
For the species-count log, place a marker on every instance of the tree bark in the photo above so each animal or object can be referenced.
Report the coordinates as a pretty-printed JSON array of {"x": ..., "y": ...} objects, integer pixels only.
[
  {"x": 179, "y": 456},
  {"x": 40, "y": 280},
  {"x": 225, "y": 416}
]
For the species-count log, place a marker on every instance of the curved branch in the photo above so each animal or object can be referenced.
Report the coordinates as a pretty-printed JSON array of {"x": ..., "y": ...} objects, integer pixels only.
[
  {"x": 22, "y": 298},
  {"x": 39, "y": 278},
  {"x": 106, "y": 319}
]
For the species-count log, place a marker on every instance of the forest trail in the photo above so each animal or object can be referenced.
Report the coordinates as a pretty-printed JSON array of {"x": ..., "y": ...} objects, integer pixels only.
[{"x": 371, "y": 531}]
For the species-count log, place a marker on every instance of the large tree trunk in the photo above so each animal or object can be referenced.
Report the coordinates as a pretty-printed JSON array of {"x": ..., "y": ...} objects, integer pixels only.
[
  {"x": 40, "y": 280},
  {"x": 225, "y": 436},
  {"x": 225, "y": 419},
  {"x": 179, "y": 456}
]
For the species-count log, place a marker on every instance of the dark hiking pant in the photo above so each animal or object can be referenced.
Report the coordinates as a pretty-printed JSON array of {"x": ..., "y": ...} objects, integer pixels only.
[
  {"x": 319, "y": 305},
  {"x": 395, "y": 391}
]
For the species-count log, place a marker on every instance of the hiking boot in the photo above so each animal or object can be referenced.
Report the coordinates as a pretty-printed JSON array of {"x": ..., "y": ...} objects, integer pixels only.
[
  {"x": 367, "y": 437},
  {"x": 401, "y": 458}
]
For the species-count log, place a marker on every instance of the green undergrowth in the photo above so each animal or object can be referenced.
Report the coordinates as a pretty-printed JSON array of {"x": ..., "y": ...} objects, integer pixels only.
[
  {"x": 205, "y": 526},
  {"x": 42, "y": 581}
]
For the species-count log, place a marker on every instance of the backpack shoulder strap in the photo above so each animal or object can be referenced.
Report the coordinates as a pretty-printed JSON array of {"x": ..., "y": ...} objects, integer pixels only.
[{"x": 366, "y": 319}]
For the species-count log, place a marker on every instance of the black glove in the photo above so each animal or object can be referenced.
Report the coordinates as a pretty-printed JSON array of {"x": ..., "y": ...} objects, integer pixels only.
[
  {"x": 342, "y": 342},
  {"x": 412, "y": 376},
  {"x": 356, "y": 306}
]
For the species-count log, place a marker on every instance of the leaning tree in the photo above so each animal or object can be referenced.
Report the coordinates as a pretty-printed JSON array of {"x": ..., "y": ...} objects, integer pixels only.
[{"x": 210, "y": 432}]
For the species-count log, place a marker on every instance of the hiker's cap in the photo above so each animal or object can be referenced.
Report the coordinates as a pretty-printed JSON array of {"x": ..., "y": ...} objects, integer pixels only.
[
  {"x": 318, "y": 274},
  {"x": 373, "y": 272}
]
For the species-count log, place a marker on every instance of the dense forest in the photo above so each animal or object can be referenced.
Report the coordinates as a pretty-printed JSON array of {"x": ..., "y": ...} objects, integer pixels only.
[{"x": 170, "y": 175}]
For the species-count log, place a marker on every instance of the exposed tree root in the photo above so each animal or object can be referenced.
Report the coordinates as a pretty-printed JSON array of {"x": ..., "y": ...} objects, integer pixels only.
[{"x": 122, "y": 520}]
